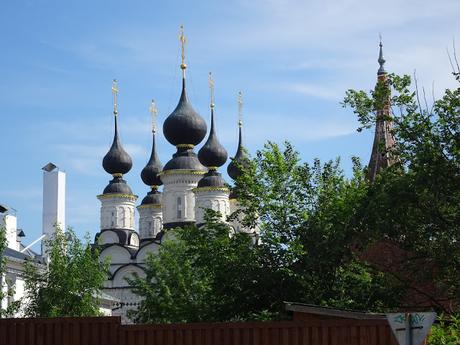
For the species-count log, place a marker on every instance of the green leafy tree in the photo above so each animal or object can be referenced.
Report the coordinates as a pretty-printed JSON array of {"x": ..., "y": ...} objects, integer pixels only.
[
  {"x": 71, "y": 282},
  {"x": 6, "y": 289},
  {"x": 416, "y": 202},
  {"x": 306, "y": 217},
  {"x": 200, "y": 274}
]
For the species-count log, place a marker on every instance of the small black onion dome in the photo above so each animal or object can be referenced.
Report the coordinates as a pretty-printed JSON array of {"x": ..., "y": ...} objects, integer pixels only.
[
  {"x": 152, "y": 198},
  {"x": 241, "y": 158},
  {"x": 117, "y": 160},
  {"x": 186, "y": 159},
  {"x": 212, "y": 154},
  {"x": 212, "y": 179},
  {"x": 184, "y": 125},
  {"x": 150, "y": 172},
  {"x": 117, "y": 186}
]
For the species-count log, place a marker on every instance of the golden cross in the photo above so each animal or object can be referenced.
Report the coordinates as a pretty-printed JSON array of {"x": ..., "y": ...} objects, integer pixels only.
[
  {"x": 211, "y": 88},
  {"x": 240, "y": 108},
  {"x": 182, "y": 40},
  {"x": 115, "y": 96},
  {"x": 153, "y": 111}
]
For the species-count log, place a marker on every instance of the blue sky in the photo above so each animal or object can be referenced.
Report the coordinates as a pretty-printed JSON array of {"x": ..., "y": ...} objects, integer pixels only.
[{"x": 292, "y": 59}]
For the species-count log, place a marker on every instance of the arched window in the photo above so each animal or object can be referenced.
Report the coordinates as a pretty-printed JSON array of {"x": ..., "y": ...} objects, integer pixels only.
[{"x": 179, "y": 208}]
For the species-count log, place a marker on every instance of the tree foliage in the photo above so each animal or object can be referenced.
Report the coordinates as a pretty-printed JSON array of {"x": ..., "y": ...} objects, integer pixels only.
[
  {"x": 199, "y": 274},
  {"x": 416, "y": 203},
  {"x": 70, "y": 284}
]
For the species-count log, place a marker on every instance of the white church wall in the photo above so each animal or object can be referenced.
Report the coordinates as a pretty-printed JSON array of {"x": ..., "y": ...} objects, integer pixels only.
[
  {"x": 178, "y": 197},
  {"x": 107, "y": 237},
  {"x": 145, "y": 250},
  {"x": 214, "y": 199},
  {"x": 150, "y": 220},
  {"x": 117, "y": 212}
]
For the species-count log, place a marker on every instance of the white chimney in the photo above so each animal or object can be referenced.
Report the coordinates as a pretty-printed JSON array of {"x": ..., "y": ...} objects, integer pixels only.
[{"x": 53, "y": 201}]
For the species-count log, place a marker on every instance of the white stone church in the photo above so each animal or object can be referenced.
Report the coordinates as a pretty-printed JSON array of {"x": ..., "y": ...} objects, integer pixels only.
[{"x": 191, "y": 183}]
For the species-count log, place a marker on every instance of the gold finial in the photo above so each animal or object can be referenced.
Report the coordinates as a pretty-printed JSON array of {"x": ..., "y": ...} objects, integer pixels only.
[
  {"x": 240, "y": 109},
  {"x": 115, "y": 96},
  {"x": 153, "y": 111},
  {"x": 182, "y": 40},
  {"x": 211, "y": 89}
]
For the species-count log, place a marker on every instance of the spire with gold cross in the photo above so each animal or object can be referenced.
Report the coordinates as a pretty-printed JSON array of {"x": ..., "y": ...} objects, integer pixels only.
[
  {"x": 153, "y": 112},
  {"x": 211, "y": 90},
  {"x": 183, "y": 41},
  {"x": 240, "y": 109},
  {"x": 115, "y": 96}
]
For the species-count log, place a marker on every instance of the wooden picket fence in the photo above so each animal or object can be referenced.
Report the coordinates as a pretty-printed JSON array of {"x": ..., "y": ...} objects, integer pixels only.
[{"x": 110, "y": 331}]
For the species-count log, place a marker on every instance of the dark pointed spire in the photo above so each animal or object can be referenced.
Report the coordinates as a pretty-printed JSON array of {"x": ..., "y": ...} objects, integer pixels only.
[
  {"x": 212, "y": 155},
  {"x": 117, "y": 161},
  {"x": 150, "y": 172},
  {"x": 381, "y": 60},
  {"x": 382, "y": 156},
  {"x": 240, "y": 158}
]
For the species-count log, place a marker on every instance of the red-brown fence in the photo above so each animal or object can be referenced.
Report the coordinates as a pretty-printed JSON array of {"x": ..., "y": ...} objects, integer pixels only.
[{"x": 108, "y": 330}]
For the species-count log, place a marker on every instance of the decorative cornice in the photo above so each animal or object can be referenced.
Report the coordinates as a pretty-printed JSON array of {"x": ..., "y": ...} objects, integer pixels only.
[
  {"x": 149, "y": 206},
  {"x": 182, "y": 172},
  {"x": 117, "y": 175},
  {"x": 185, "y": 146},
  {"x": 116, "y": 195},
  {"x": 211, "y": 189}
]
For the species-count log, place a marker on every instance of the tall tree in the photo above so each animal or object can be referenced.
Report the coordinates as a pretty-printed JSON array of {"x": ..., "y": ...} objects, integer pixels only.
[
  {"x": 305, "y": 214},
  {"x": 70, "y": 285},
  {"x": 416, "y": 203}
]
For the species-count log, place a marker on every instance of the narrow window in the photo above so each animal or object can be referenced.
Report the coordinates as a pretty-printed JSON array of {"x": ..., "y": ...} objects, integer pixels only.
[{"x": 179, "y": 208}]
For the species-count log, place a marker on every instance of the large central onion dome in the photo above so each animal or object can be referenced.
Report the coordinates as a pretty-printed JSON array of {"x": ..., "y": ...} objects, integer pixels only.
[
  {"x": 184, "y": 126},
  {"x": 117, "y": 160}
]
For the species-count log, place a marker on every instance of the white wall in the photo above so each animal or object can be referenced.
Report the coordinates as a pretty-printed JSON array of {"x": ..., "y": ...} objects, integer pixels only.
[
  {"x": 150, "y": 220},
  {"x": 216, "y": 200},
  {"x": 179, "y": 186},
  {"x": 117, "y": 212}
]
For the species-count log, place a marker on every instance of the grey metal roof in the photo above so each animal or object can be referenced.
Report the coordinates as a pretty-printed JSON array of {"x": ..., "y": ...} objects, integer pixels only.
[
  {"x": 8, "y": 252},
  {"x": 331, "y": 312}
]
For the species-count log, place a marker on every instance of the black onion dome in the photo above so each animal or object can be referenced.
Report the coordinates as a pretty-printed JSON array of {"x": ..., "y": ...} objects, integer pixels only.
[
  {"x": 184, "y": 159},
  {"x": 240, "y": 158},
  {"x": 150, "y": 172},
  {"x": 212, "y": 154},
  {"x": 184, "y": 125},
  {"x": 211, "y": 179},
  {"x": 117, "y": 160},
  {"x": 117, "y": 186},
  {"x": 152, "y": 198}
]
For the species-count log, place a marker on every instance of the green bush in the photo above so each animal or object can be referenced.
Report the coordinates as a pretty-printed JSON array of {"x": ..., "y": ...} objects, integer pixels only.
[{"x": 447, "y": 332}]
